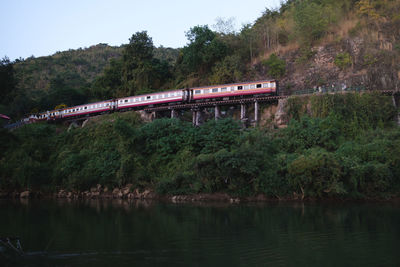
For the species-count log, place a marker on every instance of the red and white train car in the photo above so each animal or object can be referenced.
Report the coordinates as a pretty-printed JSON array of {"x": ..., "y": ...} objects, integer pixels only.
[
  {"x": 149, "y": 99},
  {"x": 236, "y": 89},
  {"x": 87, "y": 109}
]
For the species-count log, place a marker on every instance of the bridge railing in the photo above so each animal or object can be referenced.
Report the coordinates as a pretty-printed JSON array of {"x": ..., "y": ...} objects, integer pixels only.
[
  {"x": 333, "y": 89},
  {"x": 15, "y": 125}
]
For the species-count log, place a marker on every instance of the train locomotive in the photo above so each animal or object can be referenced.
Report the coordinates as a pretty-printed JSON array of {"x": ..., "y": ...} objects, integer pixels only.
[{"x": 172, "y": 97}]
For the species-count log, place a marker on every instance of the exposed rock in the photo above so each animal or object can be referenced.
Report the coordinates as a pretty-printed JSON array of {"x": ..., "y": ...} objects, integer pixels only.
[
  {"x": 147, "y": 116},
  {"x": 72, "y": 125},
  {"x": 125, "y": 191},
  {"x": 24, "y": 194},
  {"x": 281, "y": 119},
  {"x": 61, "y": 194},
  {"x": 136, "y": 193},
  {"x": 84, "y": 123},
  {"x": 115, "y": 192},
  {"x": 234, "y": 200}
]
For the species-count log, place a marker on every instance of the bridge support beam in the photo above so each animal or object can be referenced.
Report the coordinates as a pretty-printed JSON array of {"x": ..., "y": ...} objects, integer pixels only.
[
  {"x": 174, "y": 114},
  {"x": 256, "y": 112},
  {"x": 196, "y": 117},
  {"x": 217, "y": 112},
  {"x": 395, "y": 105},
  {"x": 243, "y": 112}
]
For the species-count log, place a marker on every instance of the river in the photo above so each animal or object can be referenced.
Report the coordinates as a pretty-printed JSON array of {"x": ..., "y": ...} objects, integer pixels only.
[{"x": 120, "y": 233}]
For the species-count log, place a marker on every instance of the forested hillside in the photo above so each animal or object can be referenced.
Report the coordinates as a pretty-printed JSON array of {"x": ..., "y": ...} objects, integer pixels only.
[{"x": 304, "y": 44}]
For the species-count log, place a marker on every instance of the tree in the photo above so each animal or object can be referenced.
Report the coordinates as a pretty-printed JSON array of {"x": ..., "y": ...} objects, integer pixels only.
[
  {"x": 203, "y": 51},
  {"x": 247, "y": 36},
  {"x": 7, "y": 80},
  {"x": 225, "y": 27},
  {"x": 311, "y": 21},
  {"x": 276, "y": 66},
  {"x": 140, "y": 70},
  {"x": 107, "y": 85}
]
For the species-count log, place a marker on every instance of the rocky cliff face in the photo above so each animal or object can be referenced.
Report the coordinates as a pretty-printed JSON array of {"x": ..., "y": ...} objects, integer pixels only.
[{"x": 370, "y": 60}]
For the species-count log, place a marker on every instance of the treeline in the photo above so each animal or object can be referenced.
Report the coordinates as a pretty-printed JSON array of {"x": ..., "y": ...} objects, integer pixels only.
[{"x": 349, "y": 148}]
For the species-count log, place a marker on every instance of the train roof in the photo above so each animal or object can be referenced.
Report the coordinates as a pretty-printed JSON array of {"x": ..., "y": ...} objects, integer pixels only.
[
  {"x": 155, "y": 93},
  {"x": 230, "y": 84}
]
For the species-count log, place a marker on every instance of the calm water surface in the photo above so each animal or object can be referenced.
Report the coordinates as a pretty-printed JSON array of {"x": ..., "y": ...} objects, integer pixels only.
[{"x": 116, "y": 233}]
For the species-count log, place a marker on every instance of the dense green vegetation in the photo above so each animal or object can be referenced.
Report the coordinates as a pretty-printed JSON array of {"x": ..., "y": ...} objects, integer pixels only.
[{"x": 348, "y": 148}]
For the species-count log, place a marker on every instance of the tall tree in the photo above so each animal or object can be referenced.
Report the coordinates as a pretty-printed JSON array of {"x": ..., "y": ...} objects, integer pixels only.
[
  {"x": 140, "y": 70},
  {"x": 7, "y": 79},
  {"x": 203, "y": 51}
]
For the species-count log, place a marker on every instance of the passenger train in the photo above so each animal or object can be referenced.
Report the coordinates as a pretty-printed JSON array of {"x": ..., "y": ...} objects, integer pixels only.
[{"x": 179, "y": 96}]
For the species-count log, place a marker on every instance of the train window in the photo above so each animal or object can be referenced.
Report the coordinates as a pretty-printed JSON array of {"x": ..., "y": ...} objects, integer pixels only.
[
  {"x": 246, "y": 87},
  {"x": 142, "y": 99},
  {"x": 252, "y": 86},
  {"x": 223, "y": 89},
  {"x": 206, "y": 91},
  {"x": 126, "y": 100},
  {"x": 214, "y": 90},
  {"x": 85, "y": 107},
  {"x": 197, "y": 92},
  {"x": 148, "y": 97},
  {"x": 259, "y": 85},
  {"x": 240, "y": 87},
  {"x": 265, "y": 85},
  {"x": 107, "y": 105}
]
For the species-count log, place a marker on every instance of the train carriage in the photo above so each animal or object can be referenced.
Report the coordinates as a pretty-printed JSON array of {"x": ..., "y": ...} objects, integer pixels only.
[
  {"x": 149, "y": 99},
  {"x": 265, "y": 87},
  {"x": 87, "y": 109}
]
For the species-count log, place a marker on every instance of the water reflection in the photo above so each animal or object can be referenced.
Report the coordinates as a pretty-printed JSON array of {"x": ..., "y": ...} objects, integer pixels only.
[{"x": 150, "y": 233}]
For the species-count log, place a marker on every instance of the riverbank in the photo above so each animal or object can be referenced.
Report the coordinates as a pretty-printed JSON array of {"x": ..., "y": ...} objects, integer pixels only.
[{"x": 129, "y": 193}]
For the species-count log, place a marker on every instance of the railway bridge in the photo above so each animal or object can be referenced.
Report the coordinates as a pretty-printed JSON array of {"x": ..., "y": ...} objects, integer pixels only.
[{"x": 198, "y": 108}]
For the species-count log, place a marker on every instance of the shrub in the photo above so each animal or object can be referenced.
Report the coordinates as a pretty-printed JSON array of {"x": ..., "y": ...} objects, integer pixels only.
[
  {"x": 276, "y": 66},
  {"x": 316, "y": 173},
  {"x": 343, "y": 60}
]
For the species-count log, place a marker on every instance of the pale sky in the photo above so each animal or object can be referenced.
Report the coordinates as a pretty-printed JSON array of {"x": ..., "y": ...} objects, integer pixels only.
[{"x": 43, "y": 27}]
